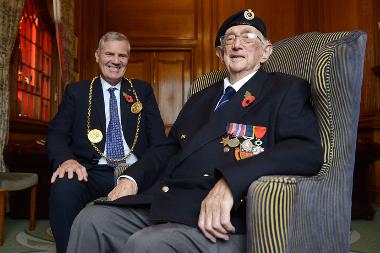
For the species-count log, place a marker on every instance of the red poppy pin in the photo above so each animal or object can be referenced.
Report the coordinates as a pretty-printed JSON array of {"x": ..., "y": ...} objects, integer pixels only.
[
  {"x": 248, "y": 99},
  {"x": 128, "y": 98}
]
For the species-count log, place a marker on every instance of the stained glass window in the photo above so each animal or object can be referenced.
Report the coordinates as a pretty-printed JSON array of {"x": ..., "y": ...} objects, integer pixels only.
[{"x": 34, "y": 66}]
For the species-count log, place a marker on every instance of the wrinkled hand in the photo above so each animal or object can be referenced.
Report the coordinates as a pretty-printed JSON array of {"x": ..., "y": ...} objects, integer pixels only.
[
  {"x": 125, "y": 187},
  {"x": 214, "y": 218},
  {"x": 70, "y": 167}
]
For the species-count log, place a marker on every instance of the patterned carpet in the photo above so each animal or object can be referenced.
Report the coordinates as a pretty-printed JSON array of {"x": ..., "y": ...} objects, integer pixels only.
[{"x": 365, "y": 237}]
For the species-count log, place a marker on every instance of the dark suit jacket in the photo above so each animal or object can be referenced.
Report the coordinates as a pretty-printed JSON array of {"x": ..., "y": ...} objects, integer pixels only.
[
  {"x": 193, "y": 159},
  {"x": 67, "y": 136}
]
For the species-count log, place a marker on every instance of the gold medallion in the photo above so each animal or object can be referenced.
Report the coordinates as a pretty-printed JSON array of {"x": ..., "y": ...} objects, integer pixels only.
[
  {"x": 95, "y": 135},
  {"x": 136, "y": 107},
  {"x": 226, "y": 149}
]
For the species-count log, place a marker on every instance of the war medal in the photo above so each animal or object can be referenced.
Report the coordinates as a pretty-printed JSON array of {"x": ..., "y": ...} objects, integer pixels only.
[
  {"x": 259, "y": 133},
  {"x": 234, "y": 142},
  {"x": 246, "y": 139},
  {"x": 225, "y": 141},
  {"x": 95, "y": 135}
]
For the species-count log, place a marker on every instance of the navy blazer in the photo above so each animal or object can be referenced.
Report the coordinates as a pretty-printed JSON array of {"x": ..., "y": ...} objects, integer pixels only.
[
  {"x": 174, "y": 178},
  {"x": 67, "y": 135}
]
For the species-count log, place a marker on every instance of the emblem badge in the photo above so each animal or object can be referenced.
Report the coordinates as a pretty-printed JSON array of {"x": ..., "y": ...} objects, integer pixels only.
[
  {"x": 95, "y": 135},
  {"x": 249, "y": 15},
  {"x": 136, "y": 107}
]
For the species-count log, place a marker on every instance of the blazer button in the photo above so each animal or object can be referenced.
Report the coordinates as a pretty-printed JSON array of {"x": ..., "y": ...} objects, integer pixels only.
[
  {"x": 165, "y": 188},
  {"x": 183, "y": 136}
]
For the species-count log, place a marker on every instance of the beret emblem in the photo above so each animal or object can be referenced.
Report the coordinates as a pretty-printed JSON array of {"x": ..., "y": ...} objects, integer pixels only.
[{"x": 249, "y": 15}]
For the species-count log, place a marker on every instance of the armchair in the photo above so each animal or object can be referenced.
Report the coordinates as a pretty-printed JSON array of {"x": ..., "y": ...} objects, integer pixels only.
[{"x": 297, "y": 214}]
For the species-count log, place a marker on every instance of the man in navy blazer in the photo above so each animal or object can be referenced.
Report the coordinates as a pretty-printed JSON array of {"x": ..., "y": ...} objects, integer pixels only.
[
  {"x": 189, "y": 194},
  {"x": 95, "y": 130}
]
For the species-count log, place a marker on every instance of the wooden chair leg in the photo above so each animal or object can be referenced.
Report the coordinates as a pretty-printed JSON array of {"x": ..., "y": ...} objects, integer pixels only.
[
  {"x": 2, "y": 211},
  {"x": 32, "y": 214}
]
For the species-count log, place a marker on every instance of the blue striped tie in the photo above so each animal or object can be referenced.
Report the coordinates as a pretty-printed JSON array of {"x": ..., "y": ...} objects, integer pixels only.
[
  {"x": 228, "y": 93},
  {"x": 114, "y": 141}
]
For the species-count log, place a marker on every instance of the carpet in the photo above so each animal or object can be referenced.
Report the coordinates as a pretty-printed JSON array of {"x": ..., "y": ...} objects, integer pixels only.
[{"x": 365, "y": 236}]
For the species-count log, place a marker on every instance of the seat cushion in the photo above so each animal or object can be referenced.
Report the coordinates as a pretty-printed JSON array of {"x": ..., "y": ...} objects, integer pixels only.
[{"x": 13, "y": 181}]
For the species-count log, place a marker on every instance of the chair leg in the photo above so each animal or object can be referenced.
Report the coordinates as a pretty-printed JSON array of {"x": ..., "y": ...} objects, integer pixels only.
[
  {"x": 2, "y": 211},
  {"x": 32, "y": 214}
]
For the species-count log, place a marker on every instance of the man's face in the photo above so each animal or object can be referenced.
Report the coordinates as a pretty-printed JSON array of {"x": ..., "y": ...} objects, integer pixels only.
[
  {"x": 113, "y": 59},
  {"x": 242, "y": 58}
]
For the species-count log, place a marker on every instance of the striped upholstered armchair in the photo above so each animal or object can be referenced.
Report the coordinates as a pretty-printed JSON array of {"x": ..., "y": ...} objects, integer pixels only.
[{"x": 300, "y": 214}]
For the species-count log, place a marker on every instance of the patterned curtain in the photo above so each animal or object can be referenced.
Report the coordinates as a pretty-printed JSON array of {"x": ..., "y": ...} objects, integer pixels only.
[
  {"x": 10, "y": 15},
  {"x": 64, "y": 26}
]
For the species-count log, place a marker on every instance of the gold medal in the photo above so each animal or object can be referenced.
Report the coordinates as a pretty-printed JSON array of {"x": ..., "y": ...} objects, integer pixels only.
[
  {"x": 226, "y": 149},
  {"x": 233, "y": 143},
  {"x": 95, "y": 135},
  {"x": 136, "y": 107}
]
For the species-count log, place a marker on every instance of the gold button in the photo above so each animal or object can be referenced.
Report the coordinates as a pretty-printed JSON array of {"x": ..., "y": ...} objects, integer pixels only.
[
  {"x": 183, "y": 136},
  {"x": 165, "y": 188}
]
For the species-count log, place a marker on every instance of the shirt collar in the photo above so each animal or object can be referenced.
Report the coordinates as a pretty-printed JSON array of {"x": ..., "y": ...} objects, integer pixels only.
[
  {"x": 239, "y": 83},
  {"x": 106, "y": 85}
]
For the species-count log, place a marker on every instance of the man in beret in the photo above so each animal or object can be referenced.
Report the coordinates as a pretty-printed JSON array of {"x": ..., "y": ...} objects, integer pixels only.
[{"x": 188, "y": 195}]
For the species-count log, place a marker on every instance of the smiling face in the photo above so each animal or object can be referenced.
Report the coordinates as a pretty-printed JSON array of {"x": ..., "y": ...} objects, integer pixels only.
[
  {"x": 112, "y": 58},
  {"x": 241, "y": 59}
]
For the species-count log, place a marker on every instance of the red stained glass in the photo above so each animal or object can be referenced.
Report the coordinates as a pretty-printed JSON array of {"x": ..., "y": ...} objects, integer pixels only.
[{"x": 34, "y": 70}]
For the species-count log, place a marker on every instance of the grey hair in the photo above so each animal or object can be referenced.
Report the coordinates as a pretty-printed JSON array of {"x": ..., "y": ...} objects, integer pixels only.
[{"x": 112, "y": 36}]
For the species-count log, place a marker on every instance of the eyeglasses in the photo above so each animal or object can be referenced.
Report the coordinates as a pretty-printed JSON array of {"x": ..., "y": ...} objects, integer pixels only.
[{"x": 245, "y": 38}]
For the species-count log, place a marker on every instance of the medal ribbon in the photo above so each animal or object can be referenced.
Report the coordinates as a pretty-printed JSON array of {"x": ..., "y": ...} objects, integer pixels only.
[
  {"x": 260, "y": 131},
  {"x": 240, "y": 130}
]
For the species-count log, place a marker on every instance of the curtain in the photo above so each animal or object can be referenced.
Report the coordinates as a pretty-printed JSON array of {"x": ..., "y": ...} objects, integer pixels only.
[
  {"x": 10, "y": 14},
  {"x": 64, "y": 27}
]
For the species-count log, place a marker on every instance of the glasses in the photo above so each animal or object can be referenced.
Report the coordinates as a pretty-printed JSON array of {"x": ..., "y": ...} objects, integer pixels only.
[{"x": 245, "y": 38}]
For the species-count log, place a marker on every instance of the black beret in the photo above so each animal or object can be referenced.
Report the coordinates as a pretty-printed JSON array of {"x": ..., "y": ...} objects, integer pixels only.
[{"x": 243, "y": 17}]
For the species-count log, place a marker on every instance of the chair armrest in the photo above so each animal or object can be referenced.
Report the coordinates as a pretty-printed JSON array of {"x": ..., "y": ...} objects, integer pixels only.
[{"x": 270, "y": 202}]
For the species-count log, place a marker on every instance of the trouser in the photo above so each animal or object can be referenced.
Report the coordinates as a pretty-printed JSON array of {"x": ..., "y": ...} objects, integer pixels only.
[
  {"x": 69, "y": 196},
  {"x": 106, "y": 229}
]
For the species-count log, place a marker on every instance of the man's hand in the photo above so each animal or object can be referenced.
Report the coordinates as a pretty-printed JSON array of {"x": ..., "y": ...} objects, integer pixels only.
[
  {"x": 70, "y": 167},
  {"x": 214, "y": 218},
  {"x": 125, "y": 187}
]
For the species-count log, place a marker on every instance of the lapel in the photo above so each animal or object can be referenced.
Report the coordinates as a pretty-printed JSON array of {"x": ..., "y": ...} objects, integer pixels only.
[
  {"x": 98, "y": 117},
  {"x": 128, "y": 119},
  {"x": 231, "y": 112}
]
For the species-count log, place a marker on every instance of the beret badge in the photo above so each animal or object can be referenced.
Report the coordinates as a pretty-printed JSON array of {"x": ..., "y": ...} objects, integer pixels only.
[{"x": 249, "y": 15}]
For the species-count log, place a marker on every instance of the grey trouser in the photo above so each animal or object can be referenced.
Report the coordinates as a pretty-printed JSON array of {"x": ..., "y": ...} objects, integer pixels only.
[{"x": 128, "y": 230}]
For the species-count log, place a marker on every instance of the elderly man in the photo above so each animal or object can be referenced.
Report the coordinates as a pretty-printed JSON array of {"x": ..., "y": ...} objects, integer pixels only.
[
  {"x": 98, "y": 125},
  {"x": 188, "y": 195}
]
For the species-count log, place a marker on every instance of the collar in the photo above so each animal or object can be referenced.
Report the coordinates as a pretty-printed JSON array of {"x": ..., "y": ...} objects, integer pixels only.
[
  {"x": 106, "y": 85},
  {"x": 239, "y": 83}
]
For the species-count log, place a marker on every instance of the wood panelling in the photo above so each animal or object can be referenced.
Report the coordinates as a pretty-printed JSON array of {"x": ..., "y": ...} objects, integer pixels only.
[
  {"x": 172, "y": 80},
  {"x": 169, "y": 72},
  {"x": 152, "y": 19},
  {"x": 140, "y": 66}
]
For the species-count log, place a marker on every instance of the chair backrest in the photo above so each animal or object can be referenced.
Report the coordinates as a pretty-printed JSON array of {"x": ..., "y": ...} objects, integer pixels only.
[{"x": 333, "y": 64}]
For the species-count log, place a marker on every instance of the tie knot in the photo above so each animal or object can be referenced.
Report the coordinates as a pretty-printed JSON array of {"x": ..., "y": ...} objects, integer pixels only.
[
  {"x": 229, "y": 91},
  {"x": 111, "y": 90}
]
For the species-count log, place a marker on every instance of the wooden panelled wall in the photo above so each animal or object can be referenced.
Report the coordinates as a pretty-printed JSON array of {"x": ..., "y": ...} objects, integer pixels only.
[{"x": 172, "y": 43}]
